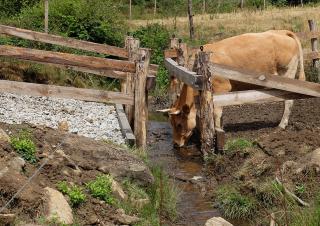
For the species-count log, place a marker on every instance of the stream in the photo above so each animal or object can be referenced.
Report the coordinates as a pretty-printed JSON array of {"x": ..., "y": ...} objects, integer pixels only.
[{"x": 185, "y": 166}]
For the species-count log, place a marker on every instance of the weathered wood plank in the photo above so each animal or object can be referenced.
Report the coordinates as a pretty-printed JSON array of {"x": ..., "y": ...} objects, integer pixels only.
[
  {"x": 63, "y": 41},
  {"x": 140, "y": 99},
  {"x": 181, "y": 73},
  {"x": 269, "y": 81},
  {"x": 170, "y": 53},
  {"x": 66, "y": 59},
  {"x": 254, "y": 97},
  {"x": 125, "y": 126},
  {"x": 92, "y": 95}
]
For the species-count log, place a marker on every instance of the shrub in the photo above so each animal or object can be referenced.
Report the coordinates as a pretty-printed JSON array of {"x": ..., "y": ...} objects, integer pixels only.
[
  {"x": 13, "y": 7},
  {"x": 24, "y": 146},
  {"x": 101, "y": 188},
  {"x": 234, "y": 205},
  {"x": 74, "y": 193}
]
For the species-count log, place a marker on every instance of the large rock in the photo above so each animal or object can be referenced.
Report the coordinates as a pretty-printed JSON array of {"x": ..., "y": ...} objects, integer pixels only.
[
  {"x": 217, "y": 221},
  {"x": 315, "y": 157},
  {"x": 7, "y": 219},
  {"x": 17, "y": 164},
  {"x": 89, "y": 154},
  {"x": 121, "y": 218},
  {"x": 118, "y": 191},
  {"x": 56, "y": 207}
]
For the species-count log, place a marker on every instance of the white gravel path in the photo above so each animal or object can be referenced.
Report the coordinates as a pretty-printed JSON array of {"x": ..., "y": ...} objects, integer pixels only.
[{"x": 94, "y": 120}]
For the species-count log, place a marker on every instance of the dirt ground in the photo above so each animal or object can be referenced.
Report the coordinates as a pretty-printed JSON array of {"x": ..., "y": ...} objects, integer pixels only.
[{"x": 91, "y": 157}]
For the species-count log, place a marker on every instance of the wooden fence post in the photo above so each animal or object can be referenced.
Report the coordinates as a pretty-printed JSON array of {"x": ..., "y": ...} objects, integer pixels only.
[
  {"x": 128, "y": 86},
  {"x": 314, "y": 47},
  {"x": 141, "y": 105},
  {"x": 174, "y": 83},
  {"x": 46, "y": 16},
  {"x": 207, "y": 128}
]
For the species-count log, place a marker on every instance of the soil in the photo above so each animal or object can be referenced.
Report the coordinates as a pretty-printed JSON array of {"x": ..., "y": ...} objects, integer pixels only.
[
  {"x": 92, "y": 157},
  {"x": 276, "y": 153}
]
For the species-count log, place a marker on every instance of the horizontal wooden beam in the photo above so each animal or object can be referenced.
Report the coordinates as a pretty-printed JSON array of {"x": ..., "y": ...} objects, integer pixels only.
[
  {"x": 254, "y": 97},
  {"x": 125, "y": 126},
  {"x": 31, "y": 89},
  {"x": 170, "y": 53},
  {"x": 312, "y": 56},
  {"x": 265, "y": 80},
  {"x": 63, "y": 41},
  {"x": 66, "y": 59},
  {"x": 188, "y": 77}
]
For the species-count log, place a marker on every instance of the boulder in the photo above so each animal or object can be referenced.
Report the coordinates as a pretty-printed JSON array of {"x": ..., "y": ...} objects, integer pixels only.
[
  {"x": 315, "y": 157},
  {"x": 4, "y": 136},
  {"x": 17, "y": 164},
  {"x": 121, "y": 218},
  {"x": 118, "y": 191},
  {"x": 56, "y": 207},
  {"x": 7, "y": 219},
  {"x": 217, "y": 221}
]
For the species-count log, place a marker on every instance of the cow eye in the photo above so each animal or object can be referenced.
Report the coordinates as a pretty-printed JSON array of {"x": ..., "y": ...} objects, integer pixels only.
[{"x": 179, "y": 126}]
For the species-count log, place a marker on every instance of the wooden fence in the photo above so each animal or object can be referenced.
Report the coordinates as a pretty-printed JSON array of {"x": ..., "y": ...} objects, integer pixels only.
[
  {"x": 280, "y": 88},
  {"x": 134, "y": 70}
]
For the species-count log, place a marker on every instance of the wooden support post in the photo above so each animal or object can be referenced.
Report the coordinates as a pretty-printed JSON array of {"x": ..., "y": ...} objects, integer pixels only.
[
  {"x": 314, "y": 47},
  {"x": 46, "y": 16},
  {"x": 132, "y": 45},
  {"x": 141, "y": 105},
  {"x": 174, "y": 82},
  {"x": 207, "y": 128}
]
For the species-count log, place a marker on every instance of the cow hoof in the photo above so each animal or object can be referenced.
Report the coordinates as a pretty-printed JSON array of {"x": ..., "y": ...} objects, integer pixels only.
[{"x": 282, "y": 126}]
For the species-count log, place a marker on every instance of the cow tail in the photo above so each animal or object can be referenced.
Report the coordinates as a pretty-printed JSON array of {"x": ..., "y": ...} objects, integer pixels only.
[{"x": 301, "y": 75}]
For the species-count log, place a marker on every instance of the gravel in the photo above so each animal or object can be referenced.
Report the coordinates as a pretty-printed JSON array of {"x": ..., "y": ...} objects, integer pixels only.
[{"x": 94, "y": 120}]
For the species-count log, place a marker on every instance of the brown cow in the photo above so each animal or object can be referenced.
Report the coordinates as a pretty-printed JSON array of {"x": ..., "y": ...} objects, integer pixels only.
[{"x": 276, "y": 52}]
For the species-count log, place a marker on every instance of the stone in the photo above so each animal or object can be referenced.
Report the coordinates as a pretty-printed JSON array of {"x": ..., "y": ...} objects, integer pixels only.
[
  {"x": 3, "y": 171},
  {"x": 17, "y": 164},
  {"x": 7, "y": 219},
  {"x": 217, "y": 221},
  {"x": 118, "y": 191},
  {"x": 56, "y": 207},
  {"x": 122, "y": 218},
  {"x": 315, "y": 157},
  {"x": 4, "y": 136},
  {"x": 63, "y": 126},
  {"x": 288, "y": 165}
]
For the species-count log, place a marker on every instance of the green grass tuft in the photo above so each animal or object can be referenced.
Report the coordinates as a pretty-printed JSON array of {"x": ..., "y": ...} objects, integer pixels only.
[
  {"x": 24, "y": 145},
  {"x": 74, "y": 193},
  {"x": 238, "y": 144},
  {"x": 234, "y": 205}
]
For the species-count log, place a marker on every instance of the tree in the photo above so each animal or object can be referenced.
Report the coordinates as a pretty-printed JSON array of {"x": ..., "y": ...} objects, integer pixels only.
[{"x": 191, "y": 26}]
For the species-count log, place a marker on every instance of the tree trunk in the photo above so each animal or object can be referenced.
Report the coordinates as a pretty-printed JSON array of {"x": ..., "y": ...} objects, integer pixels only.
[
  {"x": 130, "y": 9},
  {"x": 155, "y": 8},
  {"x": 204, "y": 7},
  {"x": 191, "y": 26},
  {"x": 241, "y": 4},
  {"x": 302, "y": 3}
]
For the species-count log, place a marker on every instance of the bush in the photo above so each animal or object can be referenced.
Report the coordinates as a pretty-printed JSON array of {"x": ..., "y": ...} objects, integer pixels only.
[
  {"x": 24, "y": 146},
  {"x": 74, "y": 193},
  {"x": 157, "y": 38},
  {"x": 101, "y": 188},
  {"x": 234, "y": 205},
  {"x": 13, "y": 7}
]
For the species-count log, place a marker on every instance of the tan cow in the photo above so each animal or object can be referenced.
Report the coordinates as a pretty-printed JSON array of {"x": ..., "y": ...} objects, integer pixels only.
[{"x": 276, "y": 52}]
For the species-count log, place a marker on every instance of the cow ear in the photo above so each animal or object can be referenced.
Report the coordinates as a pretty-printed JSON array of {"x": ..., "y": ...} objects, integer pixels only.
[{"x": 186, "y": 109}]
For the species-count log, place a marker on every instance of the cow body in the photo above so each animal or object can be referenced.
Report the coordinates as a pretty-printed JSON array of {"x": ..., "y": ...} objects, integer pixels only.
[{"x": 275, "y": 52}]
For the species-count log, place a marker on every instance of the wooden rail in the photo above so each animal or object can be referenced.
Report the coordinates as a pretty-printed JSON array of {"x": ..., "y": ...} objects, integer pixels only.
[
  {"x": 92, "y": 95},
  {"x": 66, "y": 59},
  {"x": 63, "y": 41}
]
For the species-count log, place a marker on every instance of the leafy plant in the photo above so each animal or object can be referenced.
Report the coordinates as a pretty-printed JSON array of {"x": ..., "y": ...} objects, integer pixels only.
[
  {"x": 234, "y": 205},
  {"x": 74, "y": 193},
  {"x": 300, "y": 190},
  {"x": 101, "y": 188},
  {"x": 23, "y": 144}
]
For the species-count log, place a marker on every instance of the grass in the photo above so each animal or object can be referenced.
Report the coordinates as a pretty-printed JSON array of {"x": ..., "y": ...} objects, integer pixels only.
[
  {"x": 101, "y": 188},
  {"x": 238, "y": 144},
  {"x": 235, "y": 205},
  {"x": 75, "y": 193},
  {"x": 23, "y": 145}
]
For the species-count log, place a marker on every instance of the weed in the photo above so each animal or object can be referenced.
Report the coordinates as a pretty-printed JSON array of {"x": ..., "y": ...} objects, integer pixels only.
[
  {"x": 238, "y": 144},
  {"x": 266, "y": 194},
  {"x": 235, "y": 205},
  {"x": 300, "y": 190},
  {"x": 134, "y": 191},
  {"x": 101, "y": 188},
  {"x": 74, "y": 193},
  {"x": 23, "y": 144}
]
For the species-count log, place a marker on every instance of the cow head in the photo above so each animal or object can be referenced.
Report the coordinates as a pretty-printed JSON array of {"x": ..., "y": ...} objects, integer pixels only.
[{"x": 183, "y": 116}]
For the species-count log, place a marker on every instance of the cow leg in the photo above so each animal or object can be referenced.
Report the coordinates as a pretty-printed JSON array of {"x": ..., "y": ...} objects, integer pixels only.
[
  {"x": 290, "y": 73},
  {"x": 217, "y": 111}
]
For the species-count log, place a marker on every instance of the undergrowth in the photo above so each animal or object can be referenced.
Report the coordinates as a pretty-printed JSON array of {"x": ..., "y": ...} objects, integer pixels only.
[
  {"x": 23, "y": 145},
  {"x": 74, "y": 192},
  {"x": 238, "y": 144},
  {"x": 101, "y": 188}
]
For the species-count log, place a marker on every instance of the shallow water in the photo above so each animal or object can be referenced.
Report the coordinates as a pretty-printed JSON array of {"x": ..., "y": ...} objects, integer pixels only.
[{"x": 181, "y": 165}]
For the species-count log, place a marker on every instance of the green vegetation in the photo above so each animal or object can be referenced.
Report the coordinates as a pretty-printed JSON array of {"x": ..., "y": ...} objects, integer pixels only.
[
  {"x": 75, "y": 193},
  {"x": 238, "y": 144},
  {"x": 234, "y": 205},
  {"x": 101, "y": 188},
  {"x": 266, "y": 194},
  {"x": 23, "y": 145},
  {"x": 53, "y": 222}
]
